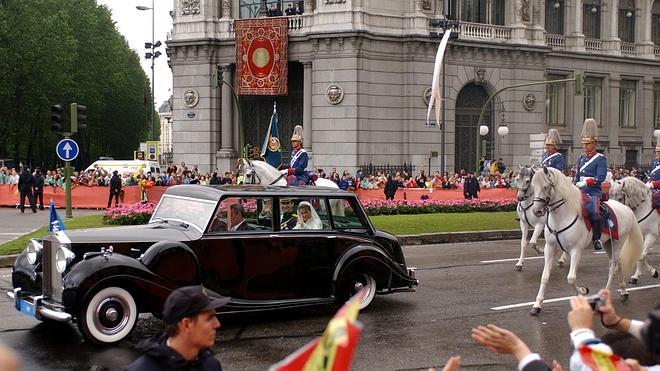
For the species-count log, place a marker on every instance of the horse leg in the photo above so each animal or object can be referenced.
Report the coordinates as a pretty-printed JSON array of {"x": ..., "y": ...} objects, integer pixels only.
[
  {"x": 571, "y": 278},
  {"x": 642, "y": 263},
  {"x": 614, "y": 266},
  {"x": 538, "y": 228},
  {"x": 562, "y": 259},
  {"x": 523, "y": 243},
  {"x": 549, "y": 252}
]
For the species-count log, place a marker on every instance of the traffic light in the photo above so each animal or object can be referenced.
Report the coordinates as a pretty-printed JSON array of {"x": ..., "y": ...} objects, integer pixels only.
[
  {"x": 57, "y": 112},
  {"x": 579, "y": 82},
  {"x": 82, "y": 117}
]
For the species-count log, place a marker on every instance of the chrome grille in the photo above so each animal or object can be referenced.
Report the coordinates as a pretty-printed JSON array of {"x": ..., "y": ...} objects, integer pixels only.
[{"x": 52, "y": 279}]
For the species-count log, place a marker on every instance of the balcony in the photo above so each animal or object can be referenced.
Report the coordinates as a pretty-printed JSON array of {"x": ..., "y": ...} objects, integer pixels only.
[
  {"x": 296, "y": 23},
  {"x": 480, "y": 31},
  {"x": 555, "y": 41},
  {"x": 628, "y": 49},
  {"x": 593, "y": 45},
  {"x": 656, "y": 51}
]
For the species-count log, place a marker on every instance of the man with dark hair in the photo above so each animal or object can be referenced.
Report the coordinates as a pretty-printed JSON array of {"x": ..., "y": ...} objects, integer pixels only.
[
  {"x": 115, "y": 188},
  {"x": 25, "y": 181},
  {"x": 191, "y": 327},
  {"x": 38, "y": 186},
  {"x": 471, "y": 187}
]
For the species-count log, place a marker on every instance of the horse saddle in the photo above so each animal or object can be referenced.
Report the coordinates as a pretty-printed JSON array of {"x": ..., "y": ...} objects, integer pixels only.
[
  {"x": 292, "y": 180},
  {"x": 608, "y": 221}
]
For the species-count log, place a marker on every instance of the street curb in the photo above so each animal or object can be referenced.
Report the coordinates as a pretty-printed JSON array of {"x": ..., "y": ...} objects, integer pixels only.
[{"x": 408, "y": 240}]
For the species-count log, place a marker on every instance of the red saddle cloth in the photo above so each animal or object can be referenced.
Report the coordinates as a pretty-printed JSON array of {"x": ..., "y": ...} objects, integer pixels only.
[
  {"x": 608, "y": 220},
  {"x": 656, "y": 200}
]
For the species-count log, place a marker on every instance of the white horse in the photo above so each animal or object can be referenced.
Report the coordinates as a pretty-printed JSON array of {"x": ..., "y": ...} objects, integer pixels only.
[
  {"x": 561, "y": 201},
  {"x": 527, "y": 218},
  {"x": 633, "y": 193},
  {"x": 261, "y": 172}
]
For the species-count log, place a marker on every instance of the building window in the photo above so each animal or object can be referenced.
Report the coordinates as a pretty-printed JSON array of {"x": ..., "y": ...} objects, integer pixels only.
[
  {"x": 655, "y": 22},
  {"x": 497, "y": 12},
  {"x": 627, "y": 21},
  {"x": 631, "y": 158},
  {"x": 554, "y": 17},
  {"x": 555, "y": 98},
  {"x": 591, "y": 19},
  {"x": 592, "y": 99},
  {"x": 627, "y": 104},
  {"x": 656, "y": 105},
  {"x": 250, "y": 8},
  {"x": 473, "y": 11}
]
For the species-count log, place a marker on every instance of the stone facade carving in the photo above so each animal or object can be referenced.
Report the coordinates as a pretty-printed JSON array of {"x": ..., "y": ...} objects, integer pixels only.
[
  {"x": 334, "y": 93},
  {"x": 529, "y": 102},
  {"x": 524, "y": 15},
  {"x": 427, "y": 96},
  {"x": 226, "y": 8},
  {"x": 190, "y": 98},
  {"x": 423, "y": 4},
  {"x": 479, "y": 75},
  {"x": 334, "y": 1},
  {"x": 189, "y": 7},
  {"x": 309, "y": 6}
]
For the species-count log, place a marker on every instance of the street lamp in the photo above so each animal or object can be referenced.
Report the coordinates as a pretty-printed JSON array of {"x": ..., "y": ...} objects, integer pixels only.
[
  {"x": 502, "y": 130},
  {"x": 152, "y": 55}
]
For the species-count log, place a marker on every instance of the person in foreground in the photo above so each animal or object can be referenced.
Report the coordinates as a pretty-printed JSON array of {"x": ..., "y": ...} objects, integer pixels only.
[
  {"x": 588, "y": 348},
  {"x": 186, "y": 344}
]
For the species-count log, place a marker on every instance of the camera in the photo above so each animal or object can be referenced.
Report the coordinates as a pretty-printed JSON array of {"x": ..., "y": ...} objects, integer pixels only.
[{"x": 595, "y": 301}]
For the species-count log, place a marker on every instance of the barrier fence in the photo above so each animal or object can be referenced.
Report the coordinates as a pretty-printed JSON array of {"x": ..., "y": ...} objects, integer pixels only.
[{"x": 83, "y": 197}]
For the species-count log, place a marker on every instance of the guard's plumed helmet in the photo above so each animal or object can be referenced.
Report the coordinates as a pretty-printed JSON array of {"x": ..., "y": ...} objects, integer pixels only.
[
  {"x": 553, "y": 138},
  {"x": 589, "y": 131},
  {"x": 297, "y": 134},
  {"x": 657, "y": 144}
]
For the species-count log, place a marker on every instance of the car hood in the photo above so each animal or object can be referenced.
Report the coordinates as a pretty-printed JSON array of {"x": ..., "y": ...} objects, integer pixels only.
[{"x": 134, "y": 233}]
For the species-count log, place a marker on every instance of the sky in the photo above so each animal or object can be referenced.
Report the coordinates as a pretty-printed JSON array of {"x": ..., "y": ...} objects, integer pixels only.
[{"x": 135, "y": 25}]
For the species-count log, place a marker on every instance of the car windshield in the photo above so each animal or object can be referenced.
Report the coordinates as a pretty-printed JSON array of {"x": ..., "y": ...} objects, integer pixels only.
[{"x": 189, "y": 210}]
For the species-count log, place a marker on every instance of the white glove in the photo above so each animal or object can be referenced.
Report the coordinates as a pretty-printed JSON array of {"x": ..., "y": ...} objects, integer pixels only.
[
  {"x": 649, "y": 185},
  {"x": 284, "y": 171},
  {"x": 581, "y": 184}
]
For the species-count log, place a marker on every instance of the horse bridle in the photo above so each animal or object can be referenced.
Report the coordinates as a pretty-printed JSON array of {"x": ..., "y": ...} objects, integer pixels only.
[{"x": 550, "y": 207}]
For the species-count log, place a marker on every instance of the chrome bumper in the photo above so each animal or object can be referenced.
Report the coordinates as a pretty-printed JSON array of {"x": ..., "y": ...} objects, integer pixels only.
[{"x": 40, "y": 310}]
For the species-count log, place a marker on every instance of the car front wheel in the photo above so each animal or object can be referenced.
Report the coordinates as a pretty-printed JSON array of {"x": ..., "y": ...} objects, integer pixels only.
[{"x": 108, "y": 316}]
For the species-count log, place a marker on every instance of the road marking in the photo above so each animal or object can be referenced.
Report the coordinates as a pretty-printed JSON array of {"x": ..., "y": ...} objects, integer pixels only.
[
  {"x": 528, "y": 258},
  {"x": 565, "y": 298},
  {"x": 11, "y": 234}
]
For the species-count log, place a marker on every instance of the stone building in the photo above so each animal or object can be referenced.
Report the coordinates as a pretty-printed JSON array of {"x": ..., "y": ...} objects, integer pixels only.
[{"x": 360, "y": 70}]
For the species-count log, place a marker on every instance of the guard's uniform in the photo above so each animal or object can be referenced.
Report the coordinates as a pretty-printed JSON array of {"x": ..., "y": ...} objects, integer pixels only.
[
  {"x": 298, "y": 165},
  {"x": 554, "y": 160},
  {"x": 592, "y": 169},
  {"x": 654, "y": 179}
]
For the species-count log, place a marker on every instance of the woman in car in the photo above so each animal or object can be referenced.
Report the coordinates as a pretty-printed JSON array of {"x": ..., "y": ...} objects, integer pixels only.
[{"x": 307, "y": 217}]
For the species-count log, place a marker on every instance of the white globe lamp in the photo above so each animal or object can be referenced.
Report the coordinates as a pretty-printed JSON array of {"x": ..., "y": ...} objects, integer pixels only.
[{"x": 483, "y": 130}]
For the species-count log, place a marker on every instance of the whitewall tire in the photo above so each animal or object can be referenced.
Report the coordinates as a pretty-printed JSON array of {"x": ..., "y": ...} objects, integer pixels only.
[{"x": 108, "y": 316}]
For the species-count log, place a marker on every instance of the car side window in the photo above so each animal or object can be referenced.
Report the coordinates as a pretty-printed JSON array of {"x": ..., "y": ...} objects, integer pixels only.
[
  {"x": 243, "y": 214},
  {"x": 309, "y": 213},
  {"x": 344, "y": 216}
]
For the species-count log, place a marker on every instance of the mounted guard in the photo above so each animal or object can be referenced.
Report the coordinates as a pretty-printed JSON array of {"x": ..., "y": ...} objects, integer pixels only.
[
  {"x": 551, "y": 157},
  {"x": 653, "y": 181},
  {"x": 296, "y": 171},
  {"x": 590, "y": 173}
]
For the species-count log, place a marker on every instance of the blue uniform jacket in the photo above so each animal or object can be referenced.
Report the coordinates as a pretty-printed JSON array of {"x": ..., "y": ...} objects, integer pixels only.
[
  {"x": 654, "y": 168},
  {"x": 555, "y": 160},
  {"x": 299, "y": 164},
  {"x": 597, "y": 169}
]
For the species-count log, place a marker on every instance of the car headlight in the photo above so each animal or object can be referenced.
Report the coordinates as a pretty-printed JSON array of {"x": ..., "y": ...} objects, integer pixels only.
[
  {"x": 33, "y": 249},
  {"x": 63, "y": 257}
]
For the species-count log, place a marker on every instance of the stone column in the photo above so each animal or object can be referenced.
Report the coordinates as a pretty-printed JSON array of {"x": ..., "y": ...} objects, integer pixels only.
[
  {"x": 643, "y": 24},
  {"x": 309, "y": 6},
  {"x": 518, "y": 27},
  {"x": 225, "y": 155},
  {"x": 610, "y": 19},
  {"x": 308, "y": 127},
  {"x": 573, "y": 19}
]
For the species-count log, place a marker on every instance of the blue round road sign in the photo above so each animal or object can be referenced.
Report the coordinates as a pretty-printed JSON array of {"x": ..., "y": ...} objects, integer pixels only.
[{"x": 67, "y": 149}]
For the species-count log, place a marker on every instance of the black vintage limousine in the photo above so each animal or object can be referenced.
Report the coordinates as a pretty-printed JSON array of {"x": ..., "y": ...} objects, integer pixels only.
[{"x": 249, "y": 243}]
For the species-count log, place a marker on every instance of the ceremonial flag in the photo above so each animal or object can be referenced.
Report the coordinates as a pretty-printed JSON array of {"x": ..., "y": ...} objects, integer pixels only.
[
  {"x": 436, "y": 89},
  {"x": 333, "y": 351},
  {"x": 271, "y": 150},
  {"x": 54, "y": 217}
]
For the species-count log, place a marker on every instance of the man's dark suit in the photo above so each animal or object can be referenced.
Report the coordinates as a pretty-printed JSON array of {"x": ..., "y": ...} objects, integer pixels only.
[
  {"x": 536, "y": 365},
  {"x": 25, "y": 181}
]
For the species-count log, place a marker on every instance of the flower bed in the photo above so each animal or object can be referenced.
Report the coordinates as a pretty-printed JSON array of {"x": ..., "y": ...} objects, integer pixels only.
[
  {"x": 138, "y": 213},
  {"x": 399, "y": 207}
]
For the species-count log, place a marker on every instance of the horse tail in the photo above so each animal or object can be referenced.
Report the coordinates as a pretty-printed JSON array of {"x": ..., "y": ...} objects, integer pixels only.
[{"x": 632, "y": 249}]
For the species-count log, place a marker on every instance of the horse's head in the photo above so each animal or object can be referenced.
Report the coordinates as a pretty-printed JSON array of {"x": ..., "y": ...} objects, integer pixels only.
[
  {"x": 616, "y": 191},
  {"x": 630, "y": 191},
  {"x": 543, "y": 186},
  {"x": 246, "y": 167},
  {"x": 524, "y": 181}
]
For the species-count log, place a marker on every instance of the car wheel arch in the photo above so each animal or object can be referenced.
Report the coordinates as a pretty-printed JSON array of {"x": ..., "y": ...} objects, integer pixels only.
[{"x": 160, "y": 252}]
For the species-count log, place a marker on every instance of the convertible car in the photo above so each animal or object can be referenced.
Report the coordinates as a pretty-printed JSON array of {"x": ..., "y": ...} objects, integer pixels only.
[{"x": 266, "y": 248}]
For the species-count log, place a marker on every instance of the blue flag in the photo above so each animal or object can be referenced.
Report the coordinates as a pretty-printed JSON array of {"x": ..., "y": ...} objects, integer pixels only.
[
  {"x": 271, "y": 150},
  {"x": 55, "y": 217}
]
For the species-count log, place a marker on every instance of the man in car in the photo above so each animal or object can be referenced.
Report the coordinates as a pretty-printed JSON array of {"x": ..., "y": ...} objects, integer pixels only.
[
  {"x": 287, "y": 216},
  {"x": 191, "y": 328},
  {"x": 237, "y": 221}
]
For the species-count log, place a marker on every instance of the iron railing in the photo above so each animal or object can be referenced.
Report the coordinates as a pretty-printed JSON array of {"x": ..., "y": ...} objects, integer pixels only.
[{"x": 372, "y": 169}]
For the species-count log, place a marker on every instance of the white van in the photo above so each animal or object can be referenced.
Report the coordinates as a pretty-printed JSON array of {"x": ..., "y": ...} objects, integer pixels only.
[{"x": 126, "y": 166}]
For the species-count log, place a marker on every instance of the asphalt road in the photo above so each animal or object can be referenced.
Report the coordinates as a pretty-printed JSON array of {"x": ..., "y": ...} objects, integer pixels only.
[{"x": 461, "y": 287}]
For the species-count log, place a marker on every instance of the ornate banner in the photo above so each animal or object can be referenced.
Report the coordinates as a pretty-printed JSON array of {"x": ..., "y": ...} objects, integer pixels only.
[{"x": 261, "y": 56}]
